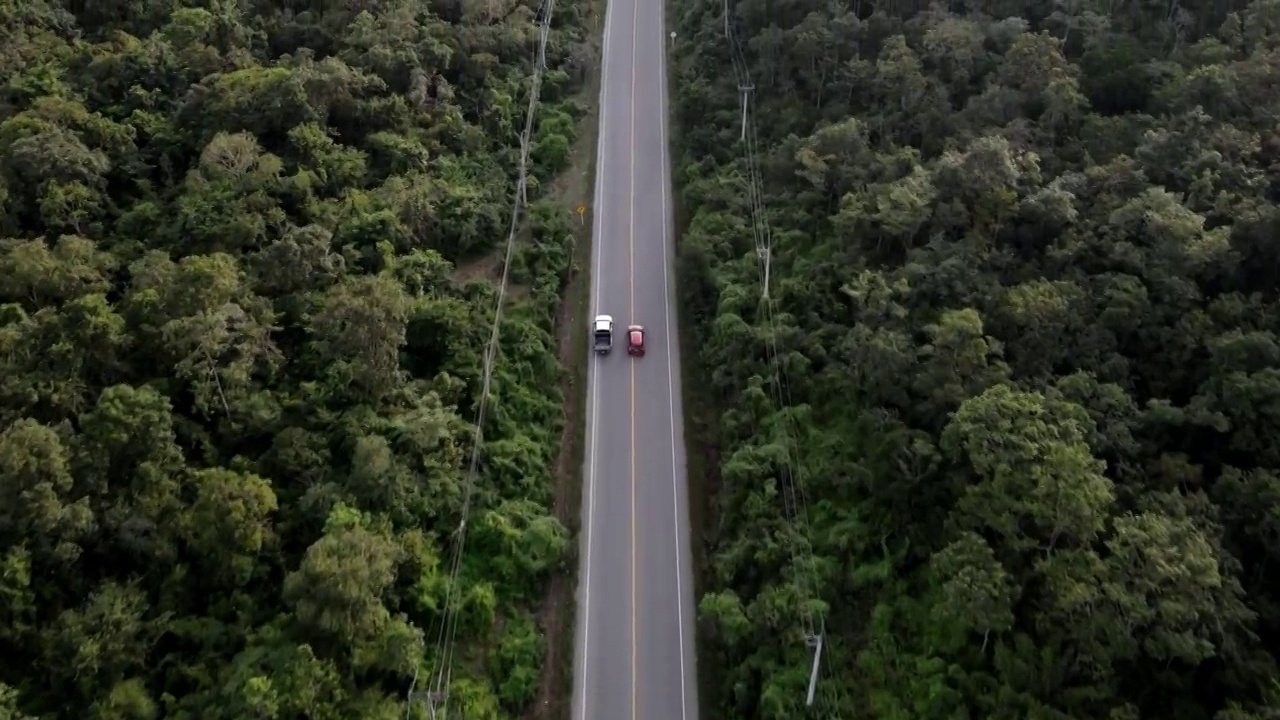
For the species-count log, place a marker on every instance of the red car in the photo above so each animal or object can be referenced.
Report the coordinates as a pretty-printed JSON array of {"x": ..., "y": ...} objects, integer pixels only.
[{"x": 635, "y": 340}]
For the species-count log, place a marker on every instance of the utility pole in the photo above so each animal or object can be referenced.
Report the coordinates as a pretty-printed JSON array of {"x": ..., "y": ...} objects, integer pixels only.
[
  {"x": 766, "y": 257},
  {"x": 815, "y": 642},
  {"x": 745, "y": 90}
]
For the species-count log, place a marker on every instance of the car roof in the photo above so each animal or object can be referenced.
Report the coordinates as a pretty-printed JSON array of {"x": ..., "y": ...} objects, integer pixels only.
[{"x": 604, "y": 318}]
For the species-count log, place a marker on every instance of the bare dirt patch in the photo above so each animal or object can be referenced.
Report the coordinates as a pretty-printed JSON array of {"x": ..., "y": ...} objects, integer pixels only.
[{"x": 571, "y": 189}]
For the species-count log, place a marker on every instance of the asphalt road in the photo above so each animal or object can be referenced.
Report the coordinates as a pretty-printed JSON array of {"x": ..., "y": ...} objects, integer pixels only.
[{"x": 634, "y": 650}]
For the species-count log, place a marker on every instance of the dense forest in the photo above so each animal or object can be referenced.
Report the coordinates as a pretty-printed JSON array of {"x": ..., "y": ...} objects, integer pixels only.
[
  {"x": 246, "y": 282},
  {"x": 1025, "y": 303}
]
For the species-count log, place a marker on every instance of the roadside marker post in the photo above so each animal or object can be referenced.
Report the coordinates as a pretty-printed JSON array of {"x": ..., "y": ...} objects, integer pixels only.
[{"x": 582, "y": 214}]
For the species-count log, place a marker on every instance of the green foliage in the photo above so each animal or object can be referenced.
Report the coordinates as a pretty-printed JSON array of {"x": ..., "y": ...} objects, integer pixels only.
[
  {"x": 238, "y": 369},
  {"x": 516, "y": 662},
  {"x": 1025, "y": 304},
  {"x": 554, "y": 135}
]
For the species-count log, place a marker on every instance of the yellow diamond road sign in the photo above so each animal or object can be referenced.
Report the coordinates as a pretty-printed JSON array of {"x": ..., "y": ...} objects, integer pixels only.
[{"x": 582, "y": 209}]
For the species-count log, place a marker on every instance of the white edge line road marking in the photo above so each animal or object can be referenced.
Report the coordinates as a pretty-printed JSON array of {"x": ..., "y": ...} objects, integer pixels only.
[
  {"x": 597, "y": 250},
  {"x": 669, "y": 253}
]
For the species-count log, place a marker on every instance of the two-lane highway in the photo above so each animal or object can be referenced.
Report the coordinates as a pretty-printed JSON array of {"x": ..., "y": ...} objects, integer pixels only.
[{"x": 634, "y": 652}]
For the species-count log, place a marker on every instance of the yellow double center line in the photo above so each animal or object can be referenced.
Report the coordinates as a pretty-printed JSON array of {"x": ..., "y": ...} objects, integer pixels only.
[{"x": 631, "y": 290}]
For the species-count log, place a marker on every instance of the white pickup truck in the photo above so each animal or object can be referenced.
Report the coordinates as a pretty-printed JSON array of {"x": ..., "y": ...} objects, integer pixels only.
[{"x": 602, "y": 333}]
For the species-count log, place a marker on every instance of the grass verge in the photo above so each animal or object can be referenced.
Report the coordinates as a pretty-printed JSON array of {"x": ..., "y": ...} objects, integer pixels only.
[{"x": 702, "y": 471}]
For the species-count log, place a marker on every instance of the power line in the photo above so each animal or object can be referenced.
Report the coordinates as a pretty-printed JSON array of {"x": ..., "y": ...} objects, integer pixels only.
[
  {"x": 762, "y": 234},
  {"x": 794, "y": 501},
  {"x": 437, "y": 696}
]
